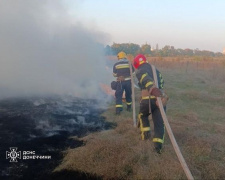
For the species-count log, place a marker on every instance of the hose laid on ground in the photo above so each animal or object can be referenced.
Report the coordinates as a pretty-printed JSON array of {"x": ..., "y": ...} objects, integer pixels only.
[
  {"x": 133, "y": 95},
  {"x": 170, "y": 132}
]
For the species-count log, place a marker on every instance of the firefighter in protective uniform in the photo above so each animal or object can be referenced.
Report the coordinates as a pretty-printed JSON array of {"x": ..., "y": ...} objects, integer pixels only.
[
  {"x": 121, "y": 70},
  {"x": 148, "y": 103}
]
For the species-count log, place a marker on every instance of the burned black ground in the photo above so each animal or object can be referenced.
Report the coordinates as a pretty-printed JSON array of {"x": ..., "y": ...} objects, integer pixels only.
[{"x": 45, "y": 125}]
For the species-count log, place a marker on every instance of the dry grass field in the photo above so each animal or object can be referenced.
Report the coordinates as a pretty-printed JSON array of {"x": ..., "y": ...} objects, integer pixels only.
[{"x": 196, "y": 113}]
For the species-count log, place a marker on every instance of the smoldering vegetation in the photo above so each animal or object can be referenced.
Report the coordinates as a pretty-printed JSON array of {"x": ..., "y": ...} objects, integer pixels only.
[
  {"x": 50, "y": 74},
  {"x": 45, "y": 125}
]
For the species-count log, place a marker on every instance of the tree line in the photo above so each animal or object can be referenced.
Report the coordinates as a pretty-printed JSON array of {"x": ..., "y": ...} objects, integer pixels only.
[{"x": 166, "y": 51}]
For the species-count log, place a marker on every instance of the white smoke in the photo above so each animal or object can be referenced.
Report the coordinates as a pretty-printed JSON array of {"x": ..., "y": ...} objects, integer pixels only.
[{"x": 45, "y": 51}]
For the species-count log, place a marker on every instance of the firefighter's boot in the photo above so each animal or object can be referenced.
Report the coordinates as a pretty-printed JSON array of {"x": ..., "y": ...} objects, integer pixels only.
[
  {"x": 118, "y": 110},
  {"x": 129, "y": 108},
  {"x": 158, "y": 147}
]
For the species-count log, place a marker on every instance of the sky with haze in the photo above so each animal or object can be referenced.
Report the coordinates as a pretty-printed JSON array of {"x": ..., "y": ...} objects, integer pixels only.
[{"x": 183, "y": 24}]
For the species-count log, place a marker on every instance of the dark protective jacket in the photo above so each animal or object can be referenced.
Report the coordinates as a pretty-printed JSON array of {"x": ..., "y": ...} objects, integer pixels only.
[
  {"x": 144, "y": 75},
  {"x": 122, "y": 68},
  {"x": 148, "y": 106}
]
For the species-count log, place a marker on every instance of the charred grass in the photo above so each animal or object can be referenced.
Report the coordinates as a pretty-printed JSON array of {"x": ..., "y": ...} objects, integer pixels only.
[{"x": 196, "y": 112}]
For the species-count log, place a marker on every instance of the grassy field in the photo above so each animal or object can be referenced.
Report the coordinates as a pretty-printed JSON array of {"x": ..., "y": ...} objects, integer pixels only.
[{"x": 196, "y": 113}]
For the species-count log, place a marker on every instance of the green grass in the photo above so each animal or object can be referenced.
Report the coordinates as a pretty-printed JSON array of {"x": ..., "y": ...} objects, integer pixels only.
[{"x": 196, "y": 92}]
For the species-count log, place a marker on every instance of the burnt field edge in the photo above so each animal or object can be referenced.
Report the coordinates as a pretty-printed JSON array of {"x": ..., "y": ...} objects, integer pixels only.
[{"x": 22, "y": 125}]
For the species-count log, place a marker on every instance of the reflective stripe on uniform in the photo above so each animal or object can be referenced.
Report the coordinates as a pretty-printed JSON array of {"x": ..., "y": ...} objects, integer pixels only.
[
  {"x": 119, "y": 105},
  {"x": 161, "y": 80},
  {"x": 142, "y": 77},
  {"x": 114, "y": 74},
  {"x": 147, "y": 97},
  {"x": 161, "y": 83},
  {"x": 121, "y": 66},
  {"x": 129, "y": 103},
  {"x": 139, "y": 118},
  {"x": 158, "y": 140},
  {"x": 126, "y": 79},
  {"x": 143, "y": 129},
  {"x": 141, "y": 62},
  {"x": 142, "y": 136},
  {"x": 148, "y": 84}
]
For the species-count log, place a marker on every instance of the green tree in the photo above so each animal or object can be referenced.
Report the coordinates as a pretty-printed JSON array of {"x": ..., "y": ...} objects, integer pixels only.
[
  {"x": 146, "y": 49},
  {"x": 128, "y": 48}
]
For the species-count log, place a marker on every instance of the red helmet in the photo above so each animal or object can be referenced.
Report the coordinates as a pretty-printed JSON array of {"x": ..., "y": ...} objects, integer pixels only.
[{"x": 138, "y": 60}]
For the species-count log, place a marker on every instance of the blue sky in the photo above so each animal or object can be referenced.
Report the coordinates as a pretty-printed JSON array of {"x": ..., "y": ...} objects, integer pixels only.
[{"x": 183, "y": 24}]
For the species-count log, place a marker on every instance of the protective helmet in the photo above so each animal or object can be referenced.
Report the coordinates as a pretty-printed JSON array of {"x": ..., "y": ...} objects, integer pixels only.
[
  {"x": 121, "y": 55},
  {"x": 138, "y": 60}
]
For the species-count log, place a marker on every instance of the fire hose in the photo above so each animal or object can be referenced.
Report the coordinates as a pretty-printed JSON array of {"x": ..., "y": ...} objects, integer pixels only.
[
  {"x": 170, "y": 132},
  {"x": 133, "y": 95}
]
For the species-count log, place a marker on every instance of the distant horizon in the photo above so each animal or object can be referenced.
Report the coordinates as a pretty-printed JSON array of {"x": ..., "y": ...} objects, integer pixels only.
[{"x": 154, "y": 46}]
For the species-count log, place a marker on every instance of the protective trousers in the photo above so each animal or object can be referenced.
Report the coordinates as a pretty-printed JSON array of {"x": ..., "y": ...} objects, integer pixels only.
[
  {"x": 121, "y": 87},
  {"x": 159, "y": 128}
]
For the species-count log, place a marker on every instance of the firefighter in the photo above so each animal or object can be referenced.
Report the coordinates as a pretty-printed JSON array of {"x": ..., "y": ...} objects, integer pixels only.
[
  {"x": 148, "y": 103},
  {"x": 121, "y": 70}
]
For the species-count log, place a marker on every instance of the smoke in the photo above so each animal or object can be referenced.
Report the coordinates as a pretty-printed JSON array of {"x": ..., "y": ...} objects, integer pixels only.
[{"x": 45, "y": 51}]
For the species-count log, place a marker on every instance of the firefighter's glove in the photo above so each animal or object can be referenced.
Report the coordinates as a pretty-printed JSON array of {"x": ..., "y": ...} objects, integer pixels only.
[
  {"x": 164, "y": 99},
  {"x": 156, "y": 92},
  {"x": 120, "y": 78}
]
